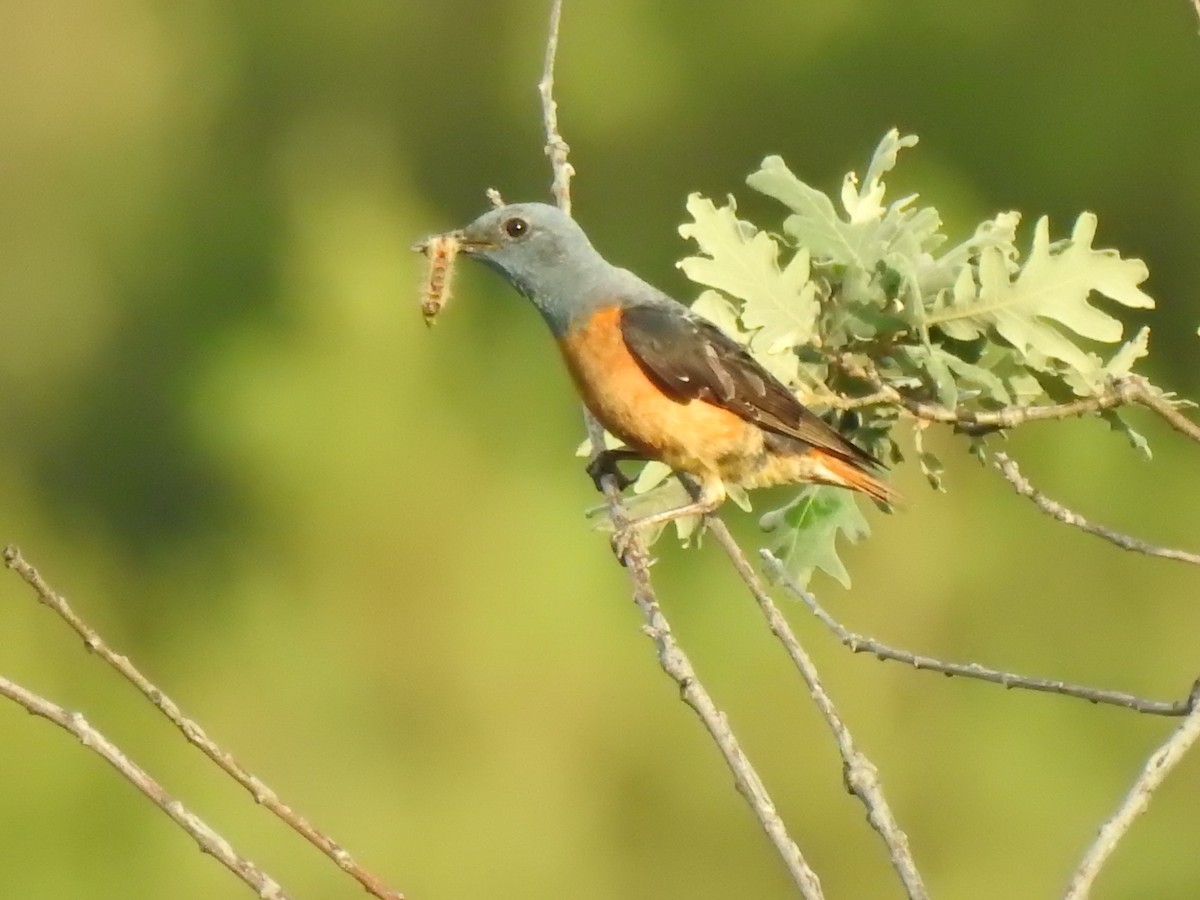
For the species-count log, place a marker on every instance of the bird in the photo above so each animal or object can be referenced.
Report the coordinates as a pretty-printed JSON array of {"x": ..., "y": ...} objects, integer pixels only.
[{"x": 668, "y": 383}]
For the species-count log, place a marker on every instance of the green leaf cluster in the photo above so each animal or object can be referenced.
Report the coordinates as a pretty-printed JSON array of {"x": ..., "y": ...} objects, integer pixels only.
[{"x": 857, "y": 284}]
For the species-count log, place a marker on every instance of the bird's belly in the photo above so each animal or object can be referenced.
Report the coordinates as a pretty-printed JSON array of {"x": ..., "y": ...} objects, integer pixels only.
[
  {"x": 774, "y": 469},
  {"x": 688, "y": 435}
]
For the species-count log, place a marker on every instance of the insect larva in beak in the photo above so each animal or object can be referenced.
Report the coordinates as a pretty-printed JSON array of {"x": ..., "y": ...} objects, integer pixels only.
[{"x": 435, "y": 292}]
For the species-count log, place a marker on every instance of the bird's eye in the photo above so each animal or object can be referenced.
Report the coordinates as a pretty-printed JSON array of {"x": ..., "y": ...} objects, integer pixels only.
[{"x": 516, "y": 228}]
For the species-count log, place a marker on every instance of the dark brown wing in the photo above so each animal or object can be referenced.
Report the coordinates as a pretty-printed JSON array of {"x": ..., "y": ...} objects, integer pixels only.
[{"x": 691, "y": 358}]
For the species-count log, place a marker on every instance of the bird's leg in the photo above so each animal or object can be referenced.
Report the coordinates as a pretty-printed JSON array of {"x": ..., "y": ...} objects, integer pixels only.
[
  {"x": 605, "y": 463},
  {"x": 709, "y": 496}
]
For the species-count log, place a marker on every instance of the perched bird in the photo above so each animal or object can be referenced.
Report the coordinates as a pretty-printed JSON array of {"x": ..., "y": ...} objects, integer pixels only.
[{"x": 667, "y": 382}]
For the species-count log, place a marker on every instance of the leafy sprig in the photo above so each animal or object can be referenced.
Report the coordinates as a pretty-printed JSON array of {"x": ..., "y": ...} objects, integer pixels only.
[{"x": 861, "y": 285}]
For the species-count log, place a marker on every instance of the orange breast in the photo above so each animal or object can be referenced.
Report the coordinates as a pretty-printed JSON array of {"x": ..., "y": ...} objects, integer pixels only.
[{"x": 688, "y": 435}]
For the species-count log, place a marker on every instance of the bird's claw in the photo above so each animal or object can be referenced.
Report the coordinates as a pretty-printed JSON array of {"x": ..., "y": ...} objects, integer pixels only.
[
  {"x": 605, "y": 463},
  {"x": 622, "y": 543}
]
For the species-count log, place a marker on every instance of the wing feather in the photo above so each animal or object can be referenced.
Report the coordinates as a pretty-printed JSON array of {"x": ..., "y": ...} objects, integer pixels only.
[{"x": 692, "y": 359}]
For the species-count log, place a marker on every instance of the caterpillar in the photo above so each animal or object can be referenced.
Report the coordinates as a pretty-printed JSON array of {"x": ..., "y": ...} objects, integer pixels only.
[{"x": 441, "y": 249}]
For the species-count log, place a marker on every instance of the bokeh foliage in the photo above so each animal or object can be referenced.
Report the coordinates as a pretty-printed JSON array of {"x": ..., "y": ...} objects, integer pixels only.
[{"x": 353, "y": 549}]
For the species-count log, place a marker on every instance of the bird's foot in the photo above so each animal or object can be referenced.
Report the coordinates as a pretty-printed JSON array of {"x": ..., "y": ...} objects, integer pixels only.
[
  {"x": 605, "y": 463},
  {"x": 623, "y": 542}
]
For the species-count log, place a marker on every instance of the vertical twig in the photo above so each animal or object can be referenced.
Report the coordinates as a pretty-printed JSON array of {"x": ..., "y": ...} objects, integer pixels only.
[
  {"x": 556, "y": 147},
  {"x": 1152, "y": 775},
  {"x": 671, "y": 657},
  {"x": 209, "y": 840}
]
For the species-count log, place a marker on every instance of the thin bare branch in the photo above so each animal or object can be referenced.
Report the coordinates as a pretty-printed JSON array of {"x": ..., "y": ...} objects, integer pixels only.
[
  {"x": 1151, "y": 777},
  {"x": 858, "y": 643},
  {"x": 192, "y": 731},
  {"x": 671, "y": 657},
  {"x": 1138, "y": 391},
  {"x": 1012, "y": 474},
  {"x": 556, "y": 148},
  {"x": 676, "y": 664},
  {"x": 1012, "y": 416},
  {"x": 1009, "y": 417},
  {"x": 1131, "y": 389},
  {"x": 839, "y": 402},
  {"x": 861, "y": 776},
  {"x": 209, "y": 840}
]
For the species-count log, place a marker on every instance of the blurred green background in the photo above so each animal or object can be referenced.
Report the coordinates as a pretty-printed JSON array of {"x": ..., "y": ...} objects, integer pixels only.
[{"x": 355, "y": 549}]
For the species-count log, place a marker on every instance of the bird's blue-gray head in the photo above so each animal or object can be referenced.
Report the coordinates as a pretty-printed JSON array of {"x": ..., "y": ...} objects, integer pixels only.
[{"x": 545, "y": 255}]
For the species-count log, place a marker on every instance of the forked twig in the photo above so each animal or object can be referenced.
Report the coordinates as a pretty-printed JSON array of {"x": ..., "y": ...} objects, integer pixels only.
[
  {"x": 1012, "y": 474},
  {"x": 671, "y": 656},
  {"x": 676, "y": 664},
  {"x": 209, "y": 840},
  {"x": 858, "y": 643},
  {"x": 862, "y": 778},
  {"x": 1151, "y": 777},
  {"x": 192, "y": 731}
]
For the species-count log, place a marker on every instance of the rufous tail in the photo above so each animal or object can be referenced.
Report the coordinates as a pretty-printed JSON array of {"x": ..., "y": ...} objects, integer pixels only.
[{"x": 847, "y": 475}]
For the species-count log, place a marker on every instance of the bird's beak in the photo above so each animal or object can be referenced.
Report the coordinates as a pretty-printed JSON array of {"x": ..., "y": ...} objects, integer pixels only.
[
  {"x": 472, "y": 246},
  {"x": 465, "y": 243}
]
